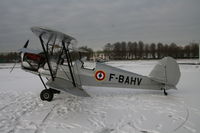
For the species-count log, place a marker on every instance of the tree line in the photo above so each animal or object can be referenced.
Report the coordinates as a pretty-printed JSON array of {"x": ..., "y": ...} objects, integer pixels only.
[
  {"x": 9, "y": 57},
  {"x": 139, "y": 50},
  {"x": 12, "y": 57},
  {"x": 130, "y": 51}
]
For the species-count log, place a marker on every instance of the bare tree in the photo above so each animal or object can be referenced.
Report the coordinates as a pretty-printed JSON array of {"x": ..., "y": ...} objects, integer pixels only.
[
  {"x": 194, "y": 50},
  {"x": 140, "y": 49},
  {"x": 146, "y": 51},
  {"x": 153, "y": 50},
  {"x": 173, "y": 50},
  {"x": 123, "y": 50},
  {"x": 130, "y": 50},
  {"x": 116, "y": 50},
  {"x": 160, "y": 50},
  {"x": 108, "y": 50},
  {"x": 135, "y": 49}
]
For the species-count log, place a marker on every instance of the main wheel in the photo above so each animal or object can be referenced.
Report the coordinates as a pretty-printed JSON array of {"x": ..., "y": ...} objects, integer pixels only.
[{"x": 46, "y": 95}]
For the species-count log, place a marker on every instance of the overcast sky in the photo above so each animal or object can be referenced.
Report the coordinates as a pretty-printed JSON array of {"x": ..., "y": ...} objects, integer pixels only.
[{"x": 97, "y": 22}]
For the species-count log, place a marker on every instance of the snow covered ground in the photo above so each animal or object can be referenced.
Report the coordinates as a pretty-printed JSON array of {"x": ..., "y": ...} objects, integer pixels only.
[{"x": 109, "y": 110}]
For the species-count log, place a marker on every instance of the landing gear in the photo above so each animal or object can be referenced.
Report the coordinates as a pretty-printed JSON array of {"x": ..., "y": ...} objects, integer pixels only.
[
  {"x": 164, "y": 89},
  {"x": 47, "y": 94},
  {"x": 165, "y": 92}
]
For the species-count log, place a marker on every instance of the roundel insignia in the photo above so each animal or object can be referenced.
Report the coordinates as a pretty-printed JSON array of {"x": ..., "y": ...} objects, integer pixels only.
[{"x": 100, "y": 75}]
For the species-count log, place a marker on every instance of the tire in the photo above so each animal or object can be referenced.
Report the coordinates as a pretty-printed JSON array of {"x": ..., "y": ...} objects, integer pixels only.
[{"x": 46, "y": 95}]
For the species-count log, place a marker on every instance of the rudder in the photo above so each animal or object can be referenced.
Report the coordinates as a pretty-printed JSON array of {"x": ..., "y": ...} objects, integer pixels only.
[{"x": 166, "y": 71}]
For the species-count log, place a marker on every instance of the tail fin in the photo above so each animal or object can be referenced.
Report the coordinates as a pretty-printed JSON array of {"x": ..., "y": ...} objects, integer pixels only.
[{"x": 166, "y": 71}]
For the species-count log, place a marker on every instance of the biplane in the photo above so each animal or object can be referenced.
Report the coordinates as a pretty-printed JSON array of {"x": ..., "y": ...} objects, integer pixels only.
[{"x": 57, "y": 63}]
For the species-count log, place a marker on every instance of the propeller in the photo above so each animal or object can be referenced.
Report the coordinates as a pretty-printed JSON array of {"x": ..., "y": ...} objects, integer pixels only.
[
  {"x": 13, "y": 66},
  {"x": 20, "y": 51},
  {"x": 26, "y": 44}
]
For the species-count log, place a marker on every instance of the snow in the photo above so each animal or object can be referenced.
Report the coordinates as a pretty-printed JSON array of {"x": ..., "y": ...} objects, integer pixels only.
[{"x": 108, "y": 110}]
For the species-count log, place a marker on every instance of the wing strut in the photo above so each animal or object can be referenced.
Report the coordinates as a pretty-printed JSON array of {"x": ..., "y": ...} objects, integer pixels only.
[
  {"x": 68, "y": 61},
  {"x": 46, "y": 55}
]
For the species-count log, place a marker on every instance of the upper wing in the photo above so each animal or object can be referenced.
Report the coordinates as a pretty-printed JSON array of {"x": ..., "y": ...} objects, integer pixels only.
[{"x": 51, "y": 35}]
